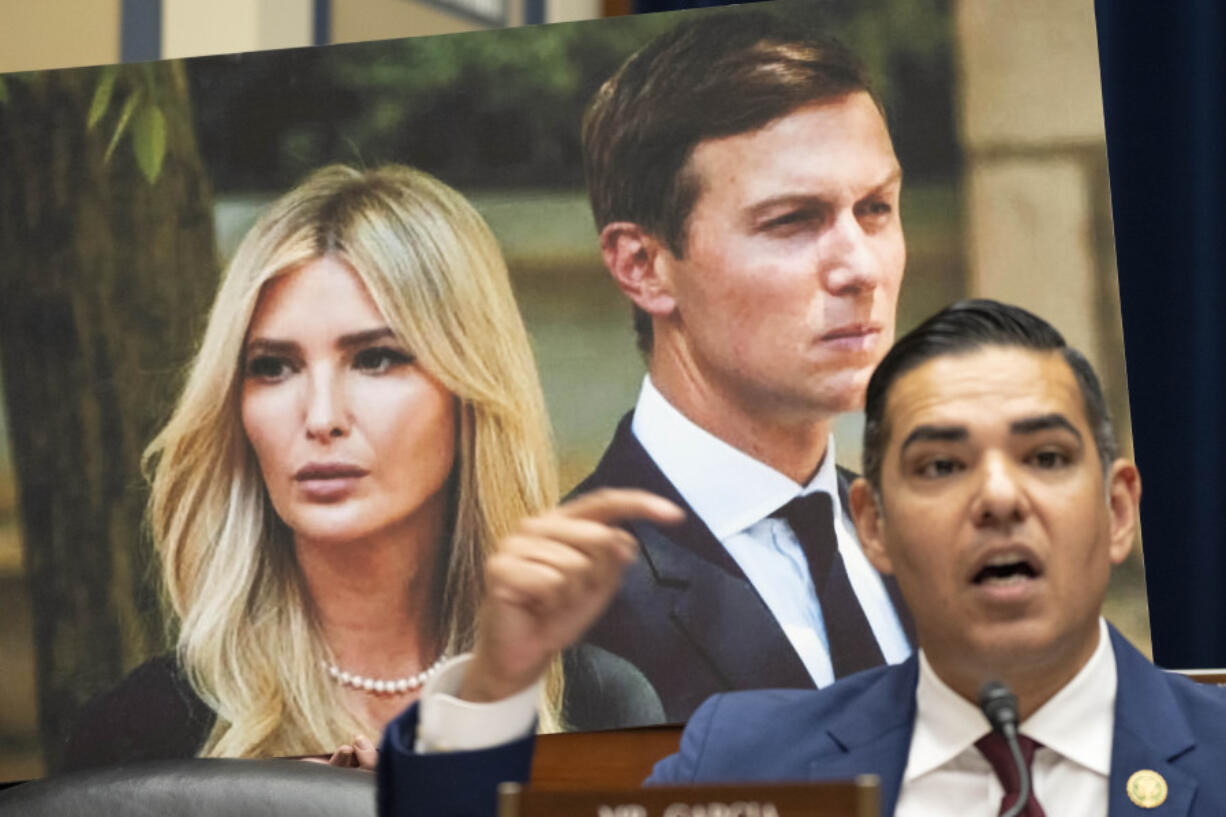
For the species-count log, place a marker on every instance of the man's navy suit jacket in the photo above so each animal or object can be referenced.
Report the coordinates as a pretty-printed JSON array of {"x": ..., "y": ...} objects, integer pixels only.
[
  {"x": 860, "y": 725},
  {"x": 686, "y": 615}
]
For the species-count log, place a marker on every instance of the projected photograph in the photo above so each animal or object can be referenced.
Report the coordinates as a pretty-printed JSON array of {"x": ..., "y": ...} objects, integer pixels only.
[{"x": 290, "y": 340}]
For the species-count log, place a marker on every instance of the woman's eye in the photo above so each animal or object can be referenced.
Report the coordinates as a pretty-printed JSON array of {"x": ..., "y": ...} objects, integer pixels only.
[
  {"x": 380, "y": 359},
  {"x": 934, "y": 469},
  {"x": 267, "y": 367}
]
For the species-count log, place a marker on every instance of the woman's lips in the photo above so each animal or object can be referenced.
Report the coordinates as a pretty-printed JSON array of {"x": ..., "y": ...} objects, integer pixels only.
[{"x": 328, "y": 482}]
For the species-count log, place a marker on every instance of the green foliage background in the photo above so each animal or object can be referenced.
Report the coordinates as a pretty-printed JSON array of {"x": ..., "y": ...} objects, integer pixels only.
[{"x": 503, "y": 108}]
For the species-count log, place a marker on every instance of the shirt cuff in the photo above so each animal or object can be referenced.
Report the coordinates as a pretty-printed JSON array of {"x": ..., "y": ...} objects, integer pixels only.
[{"x": 448, "y": 724}]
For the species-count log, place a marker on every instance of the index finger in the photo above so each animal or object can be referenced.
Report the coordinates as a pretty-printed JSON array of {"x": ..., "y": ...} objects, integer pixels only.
[{"x": 612, "y": 505}]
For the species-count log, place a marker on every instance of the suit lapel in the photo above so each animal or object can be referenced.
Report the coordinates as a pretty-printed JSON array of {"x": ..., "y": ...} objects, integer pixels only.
[
  {"x": 722, "y": 615},
  {"x": 627, "y": 465},
  {"x": 874, "y": 735},
  {"x": 714, "y": 604},
  {"x": 1151, "y": 733}
]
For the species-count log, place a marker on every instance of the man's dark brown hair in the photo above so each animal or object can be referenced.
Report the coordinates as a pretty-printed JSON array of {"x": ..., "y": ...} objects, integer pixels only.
[{"x": 718, "y": 75}]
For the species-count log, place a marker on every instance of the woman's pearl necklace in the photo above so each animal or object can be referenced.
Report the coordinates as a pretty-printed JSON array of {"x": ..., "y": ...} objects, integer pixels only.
[{"x": 383, "y": 686}]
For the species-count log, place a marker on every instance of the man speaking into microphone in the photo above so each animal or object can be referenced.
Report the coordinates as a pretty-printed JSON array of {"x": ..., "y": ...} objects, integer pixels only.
[{"x": 993, "y": 493}]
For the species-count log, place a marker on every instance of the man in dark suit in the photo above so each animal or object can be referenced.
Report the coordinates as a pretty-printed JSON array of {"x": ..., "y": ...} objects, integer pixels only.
[
  {"x": 746, "y": 191},
  {"x": 994, "y": 494}
]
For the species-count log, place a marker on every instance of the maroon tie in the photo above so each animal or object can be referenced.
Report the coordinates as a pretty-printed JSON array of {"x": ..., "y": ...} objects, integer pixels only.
[{"x": 995, "y": 749}]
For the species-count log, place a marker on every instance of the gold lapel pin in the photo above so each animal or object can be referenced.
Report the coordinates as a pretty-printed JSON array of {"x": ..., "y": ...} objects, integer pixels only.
[{"x": 1146, "y": 788}]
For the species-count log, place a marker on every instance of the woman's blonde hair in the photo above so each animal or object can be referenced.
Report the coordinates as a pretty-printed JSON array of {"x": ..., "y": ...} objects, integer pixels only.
[{"x": 247, "y": 637}]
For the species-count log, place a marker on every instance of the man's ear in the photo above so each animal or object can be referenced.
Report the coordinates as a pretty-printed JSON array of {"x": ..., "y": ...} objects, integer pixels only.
[
  {"x": 1123, "y": 507},
  {"x": 870, "y": 525},
  {"x": 639, "y": 265}
]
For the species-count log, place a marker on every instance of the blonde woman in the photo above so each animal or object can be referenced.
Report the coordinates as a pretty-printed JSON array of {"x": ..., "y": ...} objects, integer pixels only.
[{"x": 360, "y": 427}]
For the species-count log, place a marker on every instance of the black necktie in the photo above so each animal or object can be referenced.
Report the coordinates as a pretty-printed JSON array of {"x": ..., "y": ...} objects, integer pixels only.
[{"x": 852, "y": 644}]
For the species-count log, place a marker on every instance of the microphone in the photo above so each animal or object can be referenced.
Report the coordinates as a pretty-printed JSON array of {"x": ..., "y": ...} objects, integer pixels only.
[{"x": 999, "y": 706}]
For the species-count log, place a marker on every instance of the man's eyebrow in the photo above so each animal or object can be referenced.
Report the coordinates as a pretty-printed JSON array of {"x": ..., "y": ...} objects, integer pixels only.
[
  {"x": 803, "y": 200},
  {"x": 931, "y": 433},
  {"x": 809, "y": 199},
  {"x": 1043, "y": 422}
]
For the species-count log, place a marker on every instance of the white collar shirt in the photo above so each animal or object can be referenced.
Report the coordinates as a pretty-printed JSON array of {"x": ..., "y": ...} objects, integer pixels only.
[
  {"x": 1070, "y": 772},
  {"x": 734, "y": 495}
]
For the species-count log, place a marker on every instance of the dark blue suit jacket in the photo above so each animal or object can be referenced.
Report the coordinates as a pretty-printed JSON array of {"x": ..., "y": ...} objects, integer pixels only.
[
  {"x": 685, "y": 614},
  {"x": 859, "y": 725}
]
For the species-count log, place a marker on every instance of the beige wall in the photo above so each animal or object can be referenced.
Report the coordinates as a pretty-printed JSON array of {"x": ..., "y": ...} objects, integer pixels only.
[
  {"x": 38, "y": 34},
  {"x": 565, "y": 11},
  {"x": 191, "y": 28},
  {"x": 357, "y": 20}
]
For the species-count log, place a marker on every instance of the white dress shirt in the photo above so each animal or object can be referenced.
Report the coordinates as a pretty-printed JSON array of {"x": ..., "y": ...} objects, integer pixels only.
[
  {"x": 446, "y": 723},
  {"x": 734, "y": 495},
  {"x": 946, "y": 774}
]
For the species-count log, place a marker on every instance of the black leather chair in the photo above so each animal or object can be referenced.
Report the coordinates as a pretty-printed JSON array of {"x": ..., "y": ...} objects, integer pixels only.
[{"x": 198, "y": 788}]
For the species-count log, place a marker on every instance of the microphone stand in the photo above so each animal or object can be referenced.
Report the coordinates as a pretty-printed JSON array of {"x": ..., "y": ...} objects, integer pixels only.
[{"x": 999, "y": 706}]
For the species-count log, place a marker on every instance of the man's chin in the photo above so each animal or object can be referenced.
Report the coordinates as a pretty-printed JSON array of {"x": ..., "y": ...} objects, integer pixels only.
[
  {"x": 1005, "y": 648},
  {"x": 843, "y": 391}
]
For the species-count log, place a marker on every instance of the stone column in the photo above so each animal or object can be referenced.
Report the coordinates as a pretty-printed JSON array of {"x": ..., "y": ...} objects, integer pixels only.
[{"x": 1038, "y": 219}]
